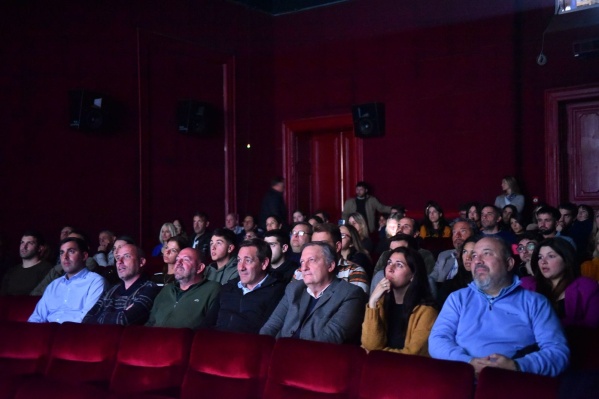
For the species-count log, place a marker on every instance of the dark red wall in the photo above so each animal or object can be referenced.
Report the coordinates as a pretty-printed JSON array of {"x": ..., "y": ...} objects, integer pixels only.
[{"x": 463, "y": 93}]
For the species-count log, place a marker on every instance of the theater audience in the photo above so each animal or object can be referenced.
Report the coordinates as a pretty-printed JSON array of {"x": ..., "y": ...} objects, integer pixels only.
[
  {"x": 464, "y": 275},
  {"x": 70, "y": 297},
  {"x": 201, "y": 236},
  {"x": 130, "y": 301},
  {"x": 314, "y": 220},
  {"x": 507, "y": 213},
  {"x": 105, "y": 257},
  {"x": 447, "y": 266},
  {"x": 547, "y": 218},
  {"x": 517, "y": 226},
  {"x": 511, "y": 194},
  {"x": 301, "y": 233},
  {"x": 166, "y": 231},
  {"x": 490, "y": 217},
  {"x": 245, "y": 303},
  {"x": 329, "y": 233},
  {"x": 273, "y": 203},
  {"x": 185, "y": 302},
  {"x": 173, "y": 246},
  {"x": 400, "y": 312},
  {"x": 433, "y": 224},
  {"x": 352, "y": 249},
  {"x": 23, "y": 278},
  {"x": 365, "y": 204},
  {"x": 322, "y": 307},
  {"x": 526, "y": 246},
  {"x": 273, "y": 222},
  {"x": 590, "y": 268},
  {"x": 568, "y": 212},
  {"x": 180, "y": 229},
  {"x": 496, "y": 323},
  {"x": 557, "y": 277},
  {"x": 357, "y": 221},
  {"x": 474, "y": 213},
  {"x": 223, "y": 244},
  {"x": 298, "y": 216},
  {"x": 232, "y": 223},
  {"x": 280, "y": 267},
  {"x": 581, "y": 231}
]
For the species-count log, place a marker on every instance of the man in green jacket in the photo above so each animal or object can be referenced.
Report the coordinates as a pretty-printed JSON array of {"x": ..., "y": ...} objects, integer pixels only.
[{"x": 185, "y": 302}]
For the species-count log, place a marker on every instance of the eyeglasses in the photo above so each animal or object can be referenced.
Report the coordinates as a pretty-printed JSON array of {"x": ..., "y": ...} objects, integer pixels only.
[
  {"x": 168, "y": 251},
  {"x": 528, "y": 247},
  {"x": 298, "y": 233},
  {"x": 343, "y": 235}
]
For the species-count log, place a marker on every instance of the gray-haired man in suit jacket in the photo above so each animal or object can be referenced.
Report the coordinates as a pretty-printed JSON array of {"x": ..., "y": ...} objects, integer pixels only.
[{"x": 322, "y": 307}]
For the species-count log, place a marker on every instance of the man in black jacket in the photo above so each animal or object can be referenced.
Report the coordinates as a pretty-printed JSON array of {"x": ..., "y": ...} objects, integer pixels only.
[{"x": 246, "y": 302}]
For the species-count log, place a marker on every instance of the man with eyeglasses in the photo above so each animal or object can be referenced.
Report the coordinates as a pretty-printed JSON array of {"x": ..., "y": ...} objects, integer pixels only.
[
  {"x": 185, "y": 303},
  {"x": 247, "y": 302},
  {"x": 71, "y": 296},
  {"x": 526, "y": 246},
  {"x": 301, "y": 234},
  {"x": 130, "y": 301}
]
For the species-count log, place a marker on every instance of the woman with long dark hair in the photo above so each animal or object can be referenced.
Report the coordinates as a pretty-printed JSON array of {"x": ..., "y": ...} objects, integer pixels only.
[
  {"x": 400, "y": 312},
  {"x": 171, "y": 249},
  {"x": 557, "y": 277},
  {"x": 434, "y": 224}
]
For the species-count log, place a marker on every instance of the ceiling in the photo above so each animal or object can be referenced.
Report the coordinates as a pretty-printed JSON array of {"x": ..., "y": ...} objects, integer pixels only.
[{"x": 278, "y": 7}]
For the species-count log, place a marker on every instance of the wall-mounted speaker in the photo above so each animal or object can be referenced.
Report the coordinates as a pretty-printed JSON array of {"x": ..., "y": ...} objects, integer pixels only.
[
  {"x": 88, "y": 110},
  {"x": 369, "y": 120},
  {"x": 195, "y": 118}
]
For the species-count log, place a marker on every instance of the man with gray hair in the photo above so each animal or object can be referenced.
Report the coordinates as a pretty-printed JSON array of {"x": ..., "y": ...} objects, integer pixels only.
[
  {"x": 321, "y": 307},
  {"x": 446, "y": 266},
  {"x": 494, "y": 322}
]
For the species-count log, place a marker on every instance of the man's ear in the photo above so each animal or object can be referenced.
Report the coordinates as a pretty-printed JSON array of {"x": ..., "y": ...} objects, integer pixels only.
[
  {"x": 510, "y": 263},
  {"x": 331, "y": 267},
  {"x": 201, "y": 268},
  {"x": 85, "y": 256},
  {"x": 338, "y": 246},
  {"x": 284, "y": 248},
  {"x": 230, "y": 248},
  {"x": 142, "y": 262},
  {"x": 207, "y": 223},
  {"x": 265, "y": 264}
]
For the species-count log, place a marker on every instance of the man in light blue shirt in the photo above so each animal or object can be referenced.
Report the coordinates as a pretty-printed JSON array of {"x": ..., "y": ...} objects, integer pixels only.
[
  {"x": 496, "y": 323},
  {"x": 70, "y": 297}
]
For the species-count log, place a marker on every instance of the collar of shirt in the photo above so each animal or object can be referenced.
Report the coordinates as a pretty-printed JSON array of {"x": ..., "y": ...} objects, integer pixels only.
[
  {"x": 80, "y": 274},
  {"x": 319, "y": 294},
  {"x": 247, "y": 290}
]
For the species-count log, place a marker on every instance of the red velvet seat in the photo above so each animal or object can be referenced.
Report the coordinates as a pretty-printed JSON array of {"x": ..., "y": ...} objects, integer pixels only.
[
  {"x": 494, "y": 383},
  {"x": 24, "y": 349},
  {"x": 387, "y": 375},
  {"x": 17, "y": 307},
  {"x": 151, "y": 361},
  {"x": 315, "y": 370},
  {"x": 227, "y": 365}
]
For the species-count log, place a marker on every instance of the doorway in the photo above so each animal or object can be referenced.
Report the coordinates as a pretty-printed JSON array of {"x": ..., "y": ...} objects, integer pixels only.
[
  {"x": 322, "y": 162},
  {"x": 572, "y": 137}
]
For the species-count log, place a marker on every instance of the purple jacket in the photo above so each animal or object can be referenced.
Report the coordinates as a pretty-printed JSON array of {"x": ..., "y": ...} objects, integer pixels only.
[{"x": 581, "y": 301}]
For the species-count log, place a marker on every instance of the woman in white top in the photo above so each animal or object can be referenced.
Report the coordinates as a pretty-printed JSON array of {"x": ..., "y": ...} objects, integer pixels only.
[{"x": 511, "y": 194}]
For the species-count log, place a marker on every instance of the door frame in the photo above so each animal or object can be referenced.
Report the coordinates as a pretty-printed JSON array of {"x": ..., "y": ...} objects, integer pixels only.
[
  {"x": 290, "y": 129},
  {"x": 555, "y": 99}
]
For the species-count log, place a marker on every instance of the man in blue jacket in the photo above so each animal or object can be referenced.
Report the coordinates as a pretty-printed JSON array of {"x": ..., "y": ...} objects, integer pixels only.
[{"x": 496, "y": 323}]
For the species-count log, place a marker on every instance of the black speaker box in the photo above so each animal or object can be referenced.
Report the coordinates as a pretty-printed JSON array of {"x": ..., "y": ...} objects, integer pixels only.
[
  {"x": 195, "y": 118},
  {"x": 369, "y": 120},
  {"x": 88, "y": 111}
]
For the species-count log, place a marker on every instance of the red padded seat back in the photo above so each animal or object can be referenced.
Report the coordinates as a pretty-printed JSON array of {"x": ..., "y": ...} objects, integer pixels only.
[
  {"x": 84, "y": 352},
  {"x": 494, "y": 383},
  {"x": 227, "y": 365},
  {"x": 315, "y": 370},
  {"x": 17, "y": 307},
  {"x": 394, "y": 375},
  {"x": 151, "y": 360},
  {"x": 24, "y": 347}
]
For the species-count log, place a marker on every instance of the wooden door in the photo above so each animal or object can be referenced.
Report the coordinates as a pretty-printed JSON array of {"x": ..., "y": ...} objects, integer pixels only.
[
  {"x": 323, "y": 164},
  {"x": 583, "y": 152}
]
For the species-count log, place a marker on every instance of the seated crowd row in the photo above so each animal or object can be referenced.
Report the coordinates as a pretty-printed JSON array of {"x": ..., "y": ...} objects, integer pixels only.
[{"x": 467, "y": 305}]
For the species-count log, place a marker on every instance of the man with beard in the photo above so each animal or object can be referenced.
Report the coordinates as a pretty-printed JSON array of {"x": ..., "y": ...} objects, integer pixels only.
[
  {"x": 184, "y": 304},
  {"x": 490, "y": 217},
  {"x": 547, "y": 218},
  {"x": 496, "y": 323},
  {"x": 23, "y": 278},
  {"x": 130, "y": 301},
  {"x": 446, "y": 266}
]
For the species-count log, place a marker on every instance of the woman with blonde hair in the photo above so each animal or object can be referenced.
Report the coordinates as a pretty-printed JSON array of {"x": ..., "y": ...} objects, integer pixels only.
[
  {"x": 511, "y": 194},
  {"x": 357, "y": 220},
  {"x": 166, "y": 231}
]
